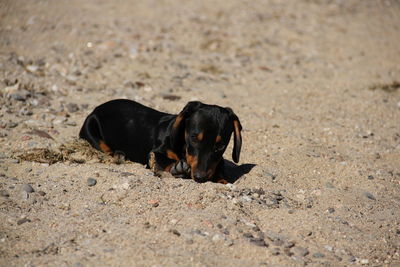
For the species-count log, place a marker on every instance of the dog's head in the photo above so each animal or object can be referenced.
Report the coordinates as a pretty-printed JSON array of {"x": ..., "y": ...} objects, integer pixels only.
[{"x": 203, "y": 132}]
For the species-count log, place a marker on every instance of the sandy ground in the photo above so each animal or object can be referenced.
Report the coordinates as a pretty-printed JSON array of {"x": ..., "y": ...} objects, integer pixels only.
[{"x": 314, "y": 83}]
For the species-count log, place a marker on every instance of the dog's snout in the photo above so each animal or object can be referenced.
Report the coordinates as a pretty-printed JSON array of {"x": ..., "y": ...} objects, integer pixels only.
[{"x": 200, "y": 177}]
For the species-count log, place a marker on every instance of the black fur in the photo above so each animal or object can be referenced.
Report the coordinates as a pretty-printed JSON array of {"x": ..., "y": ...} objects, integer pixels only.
[{"x": 173, "y": 141}]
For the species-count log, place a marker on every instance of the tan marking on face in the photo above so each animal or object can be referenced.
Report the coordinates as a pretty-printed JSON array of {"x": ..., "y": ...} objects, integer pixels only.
[
  {"x": 177, "y": 121},
  {"x": 200, "y": 136},
  {"x": 192, "y": 161},
  {"x": 172, "y": 155},
  {"x": 222, "y": 181},
  {"x": 218, "y": 139},
  {"x": 105, "y": 148}
]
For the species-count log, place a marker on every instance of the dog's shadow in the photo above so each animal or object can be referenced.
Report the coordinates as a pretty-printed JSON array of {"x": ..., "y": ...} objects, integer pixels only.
[{"x": 233, "y": 172}]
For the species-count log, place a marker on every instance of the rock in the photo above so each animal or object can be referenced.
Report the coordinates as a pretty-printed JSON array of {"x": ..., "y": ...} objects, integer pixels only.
[
  {"x": 272, "y": 235},
  {"x": 175, "y": 232},
  {"x": 299, "y": 260},
  {"x": 331, "y": 210},
  {"x": 24, "y": 195},
  {"x": 288, "y": 244},
  {"x": 41, "y": 193},
  {"x": 22, "y": 221},
  {"x": 91, "y": 182},
  {"x": 364, "y": 261},
  {"x": 231, "y": 186},
  {"x": 4, "y": 193},
  {"x": 318, "y": 255},
  {"x": 20, "y": 95},
  {"x": 275, "y": 251},
  {"x": 328, "y": 248},
  {"x": 216, "y": 238},
  {"x": 278, "y": 242},
  {"x": 369, "y": 195},
  {"x": 258, "y": 242},
  {"x": 72, "y": 107},
  {"x": 370, "y": 177},
  {"x": 248, "y": 235},
  {"x": 12, "y": 124},
  {"x": 329, "y": 185},
  {"x": 300, "y": 251},
  {"x": 228, "y": 242},
  {"x": 246, "y": 198},
  {"x": 352, "y": 259},
  {"x": 28, "y": 188}
]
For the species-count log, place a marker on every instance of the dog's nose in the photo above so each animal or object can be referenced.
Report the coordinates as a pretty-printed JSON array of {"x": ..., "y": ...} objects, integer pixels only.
[{"x": 200, "y": 177}]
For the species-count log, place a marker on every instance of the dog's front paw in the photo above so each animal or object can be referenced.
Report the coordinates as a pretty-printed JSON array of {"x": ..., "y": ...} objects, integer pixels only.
[
  {"x": 180, "y": 169},
  {"x": 154, "y": 167}
]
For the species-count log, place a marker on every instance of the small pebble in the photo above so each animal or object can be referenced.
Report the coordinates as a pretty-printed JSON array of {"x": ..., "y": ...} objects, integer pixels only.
[
  {"x": 4, "y": 193},
  {"x": 91, "y": 182},
  {"x": 28, "y": 188},
  {"x": 258, "y": 242},
  {"x": 41, "y": 193},
  {"x": 278, "y": 242},
  {"x": 364, "y": 261},
  {"x": 288, "y": 244},
  {"x": 331, "y": 210},
  {"x": 318, "y": 255},
  {"x": 288, "y": 252},
  {"x": 228, "y": 243},
  {"x": 216, "y": 238},
  {"x": 299, "y": 260},
  {"x": 72, "y": 107},
  {"x": 329, "y": 185},
  {"x": 248, "y": 235},
  {"x": 175, "y": 232},
  {"x": 300, "y": 251},
  {"x": 24, "y": 220},
  {"x": 370, "y": 177},
  {"x": 24, "y": 195},
  {"x": 352, "y": 259},
  {"x": 329, "y": 248},
  {"x": 12, "y": 124},
  {"x": 273, "y": 236},
  {"x": 369, "y": 195},
  {"x": 246, "y": 198},
  {"x": 231, "y": 186},
  {"x": 275, "y": 251}
]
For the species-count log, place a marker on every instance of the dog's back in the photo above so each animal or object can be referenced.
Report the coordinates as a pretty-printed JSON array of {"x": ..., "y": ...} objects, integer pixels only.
[{"x": 124, "y": 126}]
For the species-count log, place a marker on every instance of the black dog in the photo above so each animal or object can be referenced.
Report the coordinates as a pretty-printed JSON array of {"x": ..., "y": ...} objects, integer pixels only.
[{"x": 188, "y": 144}]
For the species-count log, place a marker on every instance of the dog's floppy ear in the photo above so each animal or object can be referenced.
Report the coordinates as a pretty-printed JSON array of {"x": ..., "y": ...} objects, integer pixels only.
[
  {"x": 178, "y": 126},
  {"x": 237, "y": 140}
]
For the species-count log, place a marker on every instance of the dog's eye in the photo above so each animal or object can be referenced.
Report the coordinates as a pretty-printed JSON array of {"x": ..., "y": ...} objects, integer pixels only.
[{"x": 219, "y": 147}]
